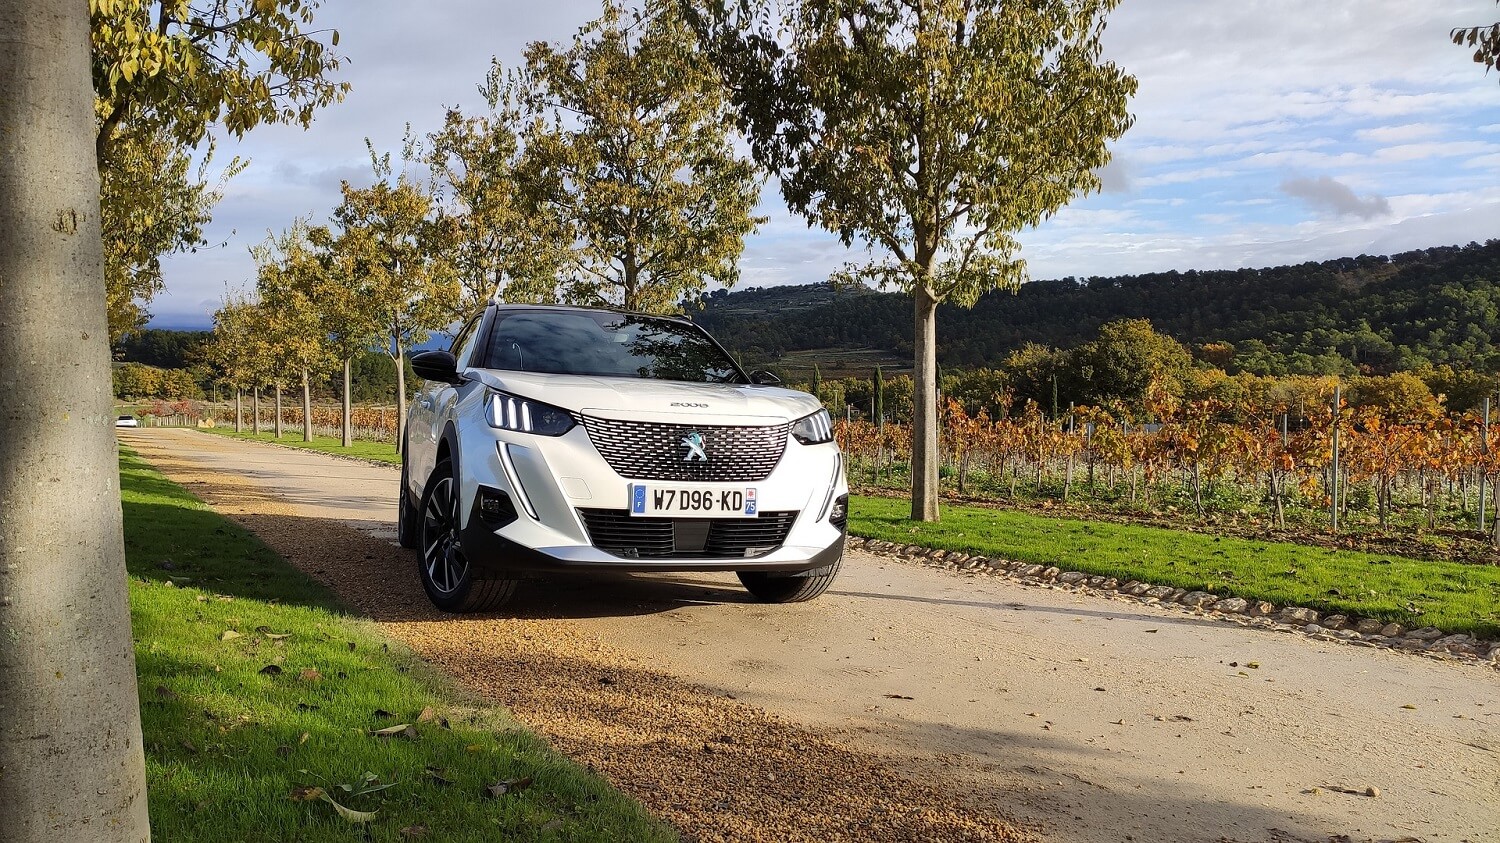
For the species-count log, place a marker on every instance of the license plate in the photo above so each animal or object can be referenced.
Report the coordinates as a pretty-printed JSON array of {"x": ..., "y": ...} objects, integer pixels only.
[{"x": 692, "y": 502}]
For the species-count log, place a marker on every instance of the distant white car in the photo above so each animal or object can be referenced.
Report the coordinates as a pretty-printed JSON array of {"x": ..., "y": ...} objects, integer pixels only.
[
  {"x": 555, "y": 439},
  {"x": 127, "y": 421}
]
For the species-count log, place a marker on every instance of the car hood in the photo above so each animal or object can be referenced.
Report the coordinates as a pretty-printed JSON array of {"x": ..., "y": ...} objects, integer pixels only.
[{"x": 642, "y": 398}]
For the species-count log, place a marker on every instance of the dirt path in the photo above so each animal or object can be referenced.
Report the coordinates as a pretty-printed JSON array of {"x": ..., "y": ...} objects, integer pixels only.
[{"x": 911, "y": 703}]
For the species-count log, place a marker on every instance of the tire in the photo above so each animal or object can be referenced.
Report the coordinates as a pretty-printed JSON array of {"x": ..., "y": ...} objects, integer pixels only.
[
  {"x": 773, "y": 588},
  {"x": 407, "y": 529},
  {"x": 447, "y": 577}
]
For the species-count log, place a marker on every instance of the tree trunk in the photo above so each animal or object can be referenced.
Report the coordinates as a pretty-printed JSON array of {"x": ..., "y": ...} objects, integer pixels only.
[
  {"x": 348, "y": 432},
  {"x": 924, "y": 423},
  {"x": 71, "y": 766},
  {"x": 278, "y": 410},
  {"x": 255, "y": 409},
  {"x": 306, "y": 408},
  {"x": 400, "y": 361},
  {"x": 239, "y": 411}
]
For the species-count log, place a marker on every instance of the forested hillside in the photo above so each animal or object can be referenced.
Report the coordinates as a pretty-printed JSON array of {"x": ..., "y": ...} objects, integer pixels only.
[{"x": 1380, "y": 314}]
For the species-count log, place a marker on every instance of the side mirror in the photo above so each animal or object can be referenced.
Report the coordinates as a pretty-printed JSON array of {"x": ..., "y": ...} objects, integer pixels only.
[
  {"x": 436, "y": 366},
  {"x": 764, "y": 378}
]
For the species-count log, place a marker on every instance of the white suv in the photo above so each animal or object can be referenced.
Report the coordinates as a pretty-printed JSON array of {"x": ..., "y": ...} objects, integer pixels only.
[{"x": 562, "y": 438}]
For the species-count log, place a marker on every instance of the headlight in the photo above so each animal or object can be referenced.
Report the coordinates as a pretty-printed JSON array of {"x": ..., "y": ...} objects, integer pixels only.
[
  {"x": 523, "y": 415},
  {"x": 814, "y": 429}
]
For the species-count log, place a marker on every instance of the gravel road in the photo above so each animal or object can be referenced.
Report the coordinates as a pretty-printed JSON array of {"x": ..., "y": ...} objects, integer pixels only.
[{"x": 909, "y": 703}]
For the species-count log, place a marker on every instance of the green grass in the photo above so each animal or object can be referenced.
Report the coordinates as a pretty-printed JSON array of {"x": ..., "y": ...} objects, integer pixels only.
[
  {"x": 1449, "y": 595},
  {"x": 228, "y": 740},
  {"x": 362, "y": 448}
]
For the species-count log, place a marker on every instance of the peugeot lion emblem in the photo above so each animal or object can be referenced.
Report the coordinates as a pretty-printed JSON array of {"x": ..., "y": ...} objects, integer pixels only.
[{"x": 694, "y": 443}]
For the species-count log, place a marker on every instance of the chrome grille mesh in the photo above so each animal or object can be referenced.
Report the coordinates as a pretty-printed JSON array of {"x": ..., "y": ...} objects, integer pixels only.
[{"x": 655, "y": 451}]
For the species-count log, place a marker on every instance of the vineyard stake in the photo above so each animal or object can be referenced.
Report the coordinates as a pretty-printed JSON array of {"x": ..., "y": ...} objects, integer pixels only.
[{"x": 1334, "y": 473}]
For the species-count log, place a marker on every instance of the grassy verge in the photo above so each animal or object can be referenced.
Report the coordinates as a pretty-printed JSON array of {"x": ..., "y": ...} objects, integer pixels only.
[
  {"x": 362, "y": 448},
  {"x": 1452, "y": 596},
  {"x": 254, "y": 687}
]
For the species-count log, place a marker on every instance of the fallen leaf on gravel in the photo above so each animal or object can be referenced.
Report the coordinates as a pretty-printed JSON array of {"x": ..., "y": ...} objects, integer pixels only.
[
  {"x": 1153, "y": 630},
  {"x": 1033, "y": 713},
  {"x": 905, "y": 697},
  {"x": 428, "y": 714},
  {"x": 401, "y": 728},
  {"x": 1408, "y": 706},
  {"x": 275, "y": 669},
  {"x": 499, "y": 789},
  {"x": 1101, "y": 689},
  {"x": 311, "y": 674},
  {"x": 229, "y": 633},
  {"x": 1256, "y": 665},
  {"x": 1121, "y": 721},
  {"x": 610, "y": 680}
]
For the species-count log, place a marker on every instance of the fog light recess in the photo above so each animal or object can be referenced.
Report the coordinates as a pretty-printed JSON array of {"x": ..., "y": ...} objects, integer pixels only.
[
  {"x": 838, "y": 514},
  {"x": 495, "y": 507}
]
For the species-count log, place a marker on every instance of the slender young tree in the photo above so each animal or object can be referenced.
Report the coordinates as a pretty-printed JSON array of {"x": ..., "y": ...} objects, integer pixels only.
[
  {"x": 289, "y": 275},
  {"x": 629, "y": 157},
  {"x": 930, "y": 131},
  {"x": 496, "y": 246},
  {"x": 386, "y": 237},
  {"x": 347, "y": 321},
  {"x": 71, "y": 765}
]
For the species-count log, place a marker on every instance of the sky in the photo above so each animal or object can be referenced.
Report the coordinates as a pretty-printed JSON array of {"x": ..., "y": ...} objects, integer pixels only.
[{"x": 1266, "y": 132}]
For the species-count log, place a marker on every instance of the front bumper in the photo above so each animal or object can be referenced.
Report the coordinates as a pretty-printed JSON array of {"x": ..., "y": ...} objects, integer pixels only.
[
  {"x": 492, "y": 553},
  {"x": 551, "y": 481}
]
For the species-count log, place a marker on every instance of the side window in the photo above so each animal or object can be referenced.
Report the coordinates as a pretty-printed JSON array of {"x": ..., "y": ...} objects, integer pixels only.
[{"x": 463, "y": 346}]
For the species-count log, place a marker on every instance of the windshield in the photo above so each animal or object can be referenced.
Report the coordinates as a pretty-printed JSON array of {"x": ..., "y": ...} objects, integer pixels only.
[{"x": 557, "y": 342}]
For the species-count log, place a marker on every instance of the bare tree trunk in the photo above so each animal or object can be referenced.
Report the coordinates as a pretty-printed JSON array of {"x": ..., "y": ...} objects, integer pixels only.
[
  {"x": 255, "y": 409},
  {"x": 278, "y": 410},
  {"x": 71, "y": 766},
  {"x": 306, "y": 408},
  {"x": 924, "y": 423},
  {"x": 400, "y": 361},
  {"x": 239, "y": 410},
  {"x": 348, "y": 437}
]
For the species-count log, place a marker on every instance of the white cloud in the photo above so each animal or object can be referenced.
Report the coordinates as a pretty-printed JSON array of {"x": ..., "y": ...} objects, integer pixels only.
[{"x": 1400, "y": 134}]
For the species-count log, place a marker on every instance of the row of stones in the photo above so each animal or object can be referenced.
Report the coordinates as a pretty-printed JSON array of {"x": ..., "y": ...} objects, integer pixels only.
[{"x": 1366, "y": 631}]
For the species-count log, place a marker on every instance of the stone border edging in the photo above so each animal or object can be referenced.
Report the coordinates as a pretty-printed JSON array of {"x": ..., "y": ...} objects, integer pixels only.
[{"x": 1362, "y": 632}]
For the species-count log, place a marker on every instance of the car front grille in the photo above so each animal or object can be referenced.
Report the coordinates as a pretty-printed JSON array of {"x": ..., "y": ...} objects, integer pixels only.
[
  {"x": 654, "y": 451},
  {"x": 616, "y": 531}
]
